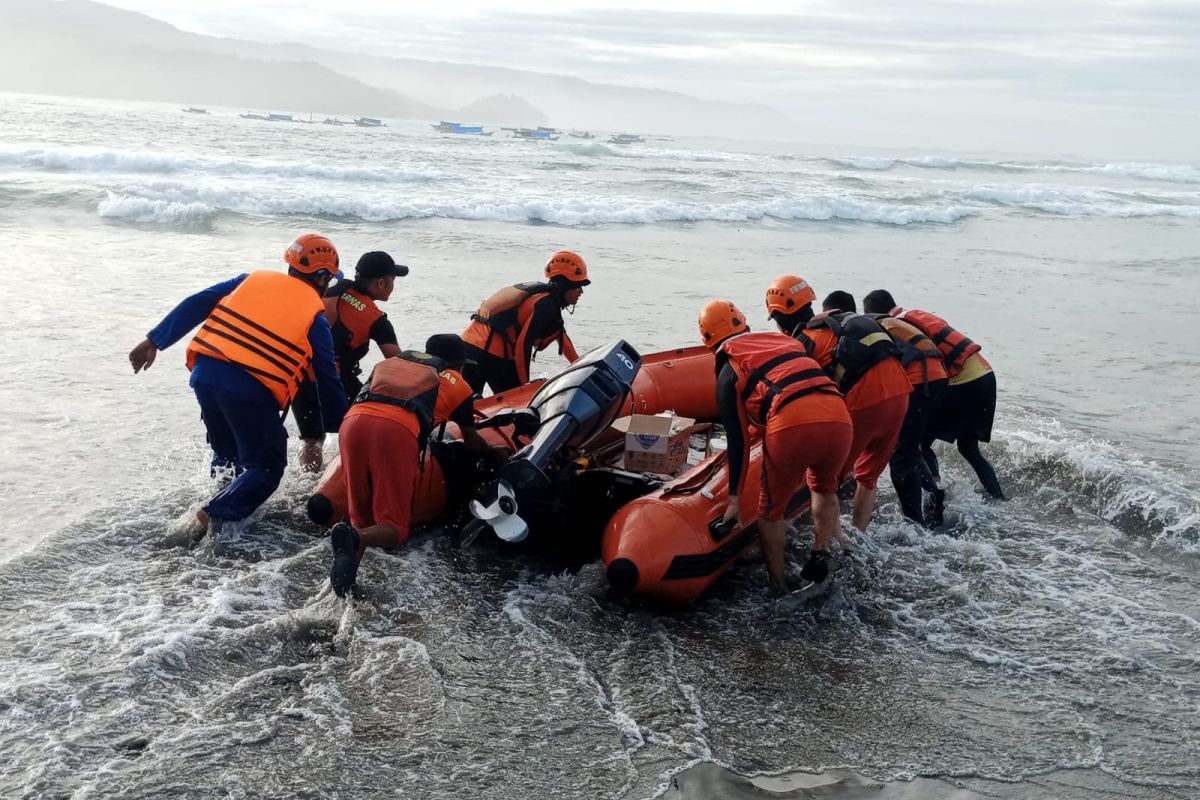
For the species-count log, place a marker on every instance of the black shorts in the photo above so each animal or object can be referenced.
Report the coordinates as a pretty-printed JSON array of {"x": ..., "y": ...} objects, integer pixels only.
[
  {"x": 498, "y": 373},
  {"x": 968, "y": 408}
]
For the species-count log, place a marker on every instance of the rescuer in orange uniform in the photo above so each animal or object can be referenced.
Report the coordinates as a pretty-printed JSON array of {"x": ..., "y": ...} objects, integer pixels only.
[
  {"x": 262, "y": 333},
  {"x": 864, "y": 363},
  {"x": 382, "y": 444},
  {"x": 355, "y": 321},
  {"x": 768, "y": 380},
  {"x": 969, "y": 408},
  {"x": 519, "y": 320}
]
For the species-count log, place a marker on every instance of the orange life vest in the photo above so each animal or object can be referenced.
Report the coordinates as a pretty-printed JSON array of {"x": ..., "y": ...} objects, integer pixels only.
[
  {"x": 262, "y": 326},
  {"x": 351, "y": 315},
  {"x": 920, "y": 357},
  {"x": 861, "y": 344},
  {"x": 409, "y": 381},
  {"x": 773, "y": 369},
  {"x": 496, "y": 326},
  {"x": 953, "y": 345}
]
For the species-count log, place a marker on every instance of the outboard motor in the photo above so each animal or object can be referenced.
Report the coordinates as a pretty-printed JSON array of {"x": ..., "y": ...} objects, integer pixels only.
[{"x": 572, "y": 409}]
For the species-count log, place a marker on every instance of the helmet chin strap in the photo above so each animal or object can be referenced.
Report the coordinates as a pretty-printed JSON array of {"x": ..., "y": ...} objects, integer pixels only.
[{"x": 570, "y": 309}]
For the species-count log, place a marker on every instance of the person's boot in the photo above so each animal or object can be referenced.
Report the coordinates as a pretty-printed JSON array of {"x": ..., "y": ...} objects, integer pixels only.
[
  {"x": 817, "y": 568},
  {"x": 344, "y": 572}
]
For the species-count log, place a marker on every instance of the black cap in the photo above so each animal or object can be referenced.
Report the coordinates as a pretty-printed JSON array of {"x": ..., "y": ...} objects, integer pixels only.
[
  {"x": 449, "y": 348},
  {"x": 377, "y": 264}
]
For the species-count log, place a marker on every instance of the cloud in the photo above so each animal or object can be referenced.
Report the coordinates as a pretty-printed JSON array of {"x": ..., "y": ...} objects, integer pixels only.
[{"x": 1009, "y": 63}]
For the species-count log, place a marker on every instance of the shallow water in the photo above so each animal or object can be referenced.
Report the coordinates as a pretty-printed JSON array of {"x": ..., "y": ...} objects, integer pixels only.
[{"x": 1046, "y": 649}]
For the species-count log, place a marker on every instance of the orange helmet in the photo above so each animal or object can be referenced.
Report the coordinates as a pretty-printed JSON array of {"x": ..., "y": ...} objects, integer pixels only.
[
  {"x": 568, "y": 265},
  {"x": 789, "y": 293},
  {"x": 720, "y": 319},
  {"x": 312, "y": 253}
]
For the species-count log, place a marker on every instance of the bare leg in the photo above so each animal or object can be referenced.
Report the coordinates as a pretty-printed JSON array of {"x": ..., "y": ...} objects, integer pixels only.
[
  {"x": 382, "y": 535},
  {"x": 773, "y": 536},
  {"x": 864, "y": 506},
  {"x": 826, "y": 521}
]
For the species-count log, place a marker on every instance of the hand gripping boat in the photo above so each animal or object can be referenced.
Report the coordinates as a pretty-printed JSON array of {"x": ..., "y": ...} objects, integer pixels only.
[{"x": 561, "y": 488}]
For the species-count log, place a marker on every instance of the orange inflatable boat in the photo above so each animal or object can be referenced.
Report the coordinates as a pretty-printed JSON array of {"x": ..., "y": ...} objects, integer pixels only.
[
  {"x": 682, "y": 380},
  {"x": 564, "y": 487}
]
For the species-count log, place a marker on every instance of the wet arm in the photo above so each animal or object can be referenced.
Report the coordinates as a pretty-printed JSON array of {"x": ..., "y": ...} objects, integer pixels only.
[
  {"x": 464, "y": 418},
  {"x": 329, "y": 385},
  {"x": 567, "y": 348},
  {"x": 384, "y": 335},
  {"x": 190, "y": 313},
  {"x": 737, "y": 452}
]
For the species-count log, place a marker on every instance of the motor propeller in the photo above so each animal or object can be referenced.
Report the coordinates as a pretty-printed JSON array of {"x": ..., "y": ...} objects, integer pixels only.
[
  {"x": 568, "y": 411},
  {"x": 500, "y": 514}
]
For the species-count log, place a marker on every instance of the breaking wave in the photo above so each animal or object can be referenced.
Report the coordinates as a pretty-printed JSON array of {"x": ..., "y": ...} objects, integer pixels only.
[
  {"x": 91, "y": 159},
  {"x": 1067, "y": 470},
  {"x": 641, "y": 151},
  {"x": 178, "y": 203},
  {"x": 1084, "y": 202},
  {"x": 1170, "y": 173},
  {"x": 188, "y": 205}
]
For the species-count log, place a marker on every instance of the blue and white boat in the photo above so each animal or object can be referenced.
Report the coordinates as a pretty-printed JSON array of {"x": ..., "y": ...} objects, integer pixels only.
[
  {"x": 458, "y": 127},
  {"x": 535, "y": 134}
]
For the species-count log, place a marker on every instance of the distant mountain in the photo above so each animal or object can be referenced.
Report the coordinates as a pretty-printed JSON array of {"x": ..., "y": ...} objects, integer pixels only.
[
  {"x": 504, "y": 109},
  {"x": 570, "y": 102},
  {"x": 79, "y": 47}
]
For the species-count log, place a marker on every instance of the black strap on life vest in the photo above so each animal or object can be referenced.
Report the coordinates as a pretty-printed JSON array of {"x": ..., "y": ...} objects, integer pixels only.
[
  {"x": 955, "y": 351},
  {"x": 853, "y": 355},
  {"x": 423, "y": 405},
  {"x": 909, "y": 351},
  {"x": 776, "y": 388},
  {"x": 502, "y": 321},
  {"x": 803, "y": 338}
]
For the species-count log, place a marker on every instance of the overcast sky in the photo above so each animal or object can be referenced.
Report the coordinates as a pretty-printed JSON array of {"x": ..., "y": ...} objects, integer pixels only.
[{"x": 1114, "y": 78}]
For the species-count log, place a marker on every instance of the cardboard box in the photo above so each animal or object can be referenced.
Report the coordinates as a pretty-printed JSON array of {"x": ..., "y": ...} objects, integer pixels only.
[{"x": 655, "y": 443}]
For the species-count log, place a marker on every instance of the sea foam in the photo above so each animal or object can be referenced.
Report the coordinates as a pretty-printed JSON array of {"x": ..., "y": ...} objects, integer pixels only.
[{"x": 91, "y": 159}]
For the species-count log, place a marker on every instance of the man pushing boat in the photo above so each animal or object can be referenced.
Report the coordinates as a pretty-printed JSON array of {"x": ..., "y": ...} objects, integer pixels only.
[
  {"x": 260, "y": 334},
  {"x": 383, "y": 442},
  {"x": 768, "y": 380},
  {"x": 519, "y": 320},
  {"x": 865, "y": 362}
]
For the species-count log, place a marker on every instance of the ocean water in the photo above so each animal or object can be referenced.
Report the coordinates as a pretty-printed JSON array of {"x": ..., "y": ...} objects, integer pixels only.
[{"x": 1049, "y": 648}]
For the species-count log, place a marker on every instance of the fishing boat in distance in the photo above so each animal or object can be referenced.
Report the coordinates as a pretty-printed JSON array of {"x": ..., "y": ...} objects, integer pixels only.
[
  {"x": 195, "y": 110},
  {"x": 270, "y": 117},
  {"x": 336, "y": 121},
  {"x": 626, "y": 138},
  {"x": 458, "y": 127},
  {"x": 369, "y": 122},
  {"x": 534, "y": 134}
]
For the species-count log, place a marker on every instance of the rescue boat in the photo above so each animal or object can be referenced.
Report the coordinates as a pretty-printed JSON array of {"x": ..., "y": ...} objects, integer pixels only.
[{"x": 563, "y": 487}]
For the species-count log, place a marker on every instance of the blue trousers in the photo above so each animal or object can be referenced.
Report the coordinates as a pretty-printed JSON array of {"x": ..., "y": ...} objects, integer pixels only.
[{"x": 246, "y": 433}]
